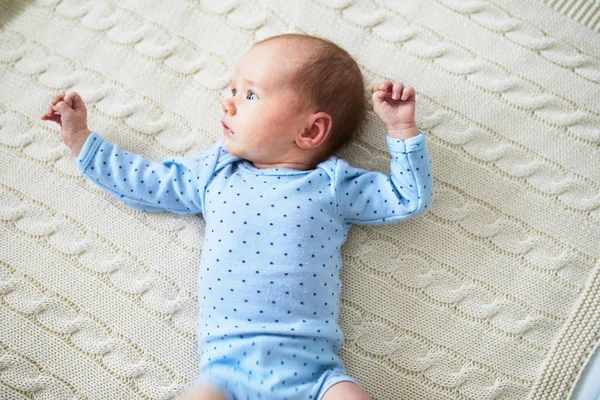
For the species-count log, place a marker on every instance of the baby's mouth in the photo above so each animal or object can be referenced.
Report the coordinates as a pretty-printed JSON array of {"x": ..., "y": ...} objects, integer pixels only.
[{"x": 226, "y": 128}]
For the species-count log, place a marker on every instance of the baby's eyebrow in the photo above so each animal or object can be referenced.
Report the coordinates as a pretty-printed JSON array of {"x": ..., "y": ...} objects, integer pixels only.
[
  {"x": 247, "y": 80},
  {"x": 251, "y": 83}
]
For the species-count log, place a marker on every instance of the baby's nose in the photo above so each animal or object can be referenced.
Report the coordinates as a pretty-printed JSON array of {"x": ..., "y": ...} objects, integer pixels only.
[{"x": 228, "y": 107}]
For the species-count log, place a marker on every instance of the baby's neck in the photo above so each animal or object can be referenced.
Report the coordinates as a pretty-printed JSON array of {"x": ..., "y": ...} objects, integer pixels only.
[
  {"x": 303, "y": 161},
  {"x": 303, "y": 166}
]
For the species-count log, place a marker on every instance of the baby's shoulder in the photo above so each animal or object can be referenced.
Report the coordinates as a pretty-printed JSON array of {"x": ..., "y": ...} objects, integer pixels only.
[
  {"x": 336, "y": 166},
  {"x": 328, "y": 163}
]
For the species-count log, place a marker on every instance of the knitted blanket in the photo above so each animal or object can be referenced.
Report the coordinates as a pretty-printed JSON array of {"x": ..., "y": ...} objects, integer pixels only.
[{"x": 493, "y": 293}]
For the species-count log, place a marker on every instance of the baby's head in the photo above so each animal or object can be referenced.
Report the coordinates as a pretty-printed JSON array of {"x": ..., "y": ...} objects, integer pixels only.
[{"x": 295, "y": 100}]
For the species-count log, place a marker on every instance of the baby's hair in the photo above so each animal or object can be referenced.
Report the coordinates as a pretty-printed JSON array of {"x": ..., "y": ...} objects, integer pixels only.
[{"x": 330, "y": 81}]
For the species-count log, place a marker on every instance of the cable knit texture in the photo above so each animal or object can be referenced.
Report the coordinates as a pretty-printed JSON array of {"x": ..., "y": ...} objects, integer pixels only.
[{"x": 493, "y": 293}]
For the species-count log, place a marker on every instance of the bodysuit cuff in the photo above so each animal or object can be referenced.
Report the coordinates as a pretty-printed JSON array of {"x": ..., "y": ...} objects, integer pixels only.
[
  {"x": 88, "y": 150},
  {"x": 406, "y": 146}
]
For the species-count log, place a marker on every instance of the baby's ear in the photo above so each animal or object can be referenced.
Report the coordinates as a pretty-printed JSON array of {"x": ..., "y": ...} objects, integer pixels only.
[{"x": 317, "y": 131}]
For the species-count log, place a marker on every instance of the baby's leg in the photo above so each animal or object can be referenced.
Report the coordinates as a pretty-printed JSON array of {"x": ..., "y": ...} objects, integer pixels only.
[
  {"x": 345, "y": 391},
  {"x": 205, "y": 392}
]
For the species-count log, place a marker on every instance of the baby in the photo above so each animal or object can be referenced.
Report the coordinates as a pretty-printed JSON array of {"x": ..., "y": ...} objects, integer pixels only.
[{"x": 278, "y": 206}]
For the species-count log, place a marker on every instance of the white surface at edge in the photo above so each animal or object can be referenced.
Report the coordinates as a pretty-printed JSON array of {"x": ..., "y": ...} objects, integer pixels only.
[{"x": 588, "y": 384}]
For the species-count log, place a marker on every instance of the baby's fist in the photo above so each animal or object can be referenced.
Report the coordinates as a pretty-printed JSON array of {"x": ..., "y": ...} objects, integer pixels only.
[
  {"x": 70, "y": 113},
  {"x": 394, "y": 104}
]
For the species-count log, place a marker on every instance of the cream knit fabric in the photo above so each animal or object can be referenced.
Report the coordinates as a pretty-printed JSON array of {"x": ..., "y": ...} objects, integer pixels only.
[
  {"x": 586, "y": 12},
  {"x": 494, "y": 293}
]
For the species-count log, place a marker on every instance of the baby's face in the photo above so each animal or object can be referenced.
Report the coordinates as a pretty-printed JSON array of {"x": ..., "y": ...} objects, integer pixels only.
[{"x": 263, "y": 110}]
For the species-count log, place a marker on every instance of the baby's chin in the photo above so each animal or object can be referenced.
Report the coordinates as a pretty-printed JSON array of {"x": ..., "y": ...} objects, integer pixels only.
[{"x": 233, "y": 149}]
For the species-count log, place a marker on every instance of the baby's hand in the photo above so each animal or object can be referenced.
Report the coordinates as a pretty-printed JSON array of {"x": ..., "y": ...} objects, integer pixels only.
[
  {"x": 394, "y": 104},
  {"x": 70, "y": 113}
]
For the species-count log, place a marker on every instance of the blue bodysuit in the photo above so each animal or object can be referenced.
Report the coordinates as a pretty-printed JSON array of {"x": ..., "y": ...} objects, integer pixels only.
[{"x": 269, "y": 280}]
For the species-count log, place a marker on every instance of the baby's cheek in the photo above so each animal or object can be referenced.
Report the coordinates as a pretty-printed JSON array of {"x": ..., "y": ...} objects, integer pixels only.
[{"x": 278, "y": 114}]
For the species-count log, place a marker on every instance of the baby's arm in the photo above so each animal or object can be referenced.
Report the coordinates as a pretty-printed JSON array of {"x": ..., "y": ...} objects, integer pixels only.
[
  {"x": 176, "y": 184},
  {"x": 373, "y": 198},
  {"x": 370, "y": 197}
]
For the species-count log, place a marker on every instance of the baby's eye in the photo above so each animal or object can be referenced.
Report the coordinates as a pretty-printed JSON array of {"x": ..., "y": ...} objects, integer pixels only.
[{"x": 233, "y": 91}]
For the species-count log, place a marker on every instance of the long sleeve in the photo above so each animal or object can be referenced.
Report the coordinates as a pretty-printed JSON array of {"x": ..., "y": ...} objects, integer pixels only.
[
  {"x": 370, "y": 197},
  {"x": 176, "y": 184}
]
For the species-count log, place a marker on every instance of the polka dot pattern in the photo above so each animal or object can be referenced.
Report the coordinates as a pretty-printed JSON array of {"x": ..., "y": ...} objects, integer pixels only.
[{"x": 269, "y": 281}]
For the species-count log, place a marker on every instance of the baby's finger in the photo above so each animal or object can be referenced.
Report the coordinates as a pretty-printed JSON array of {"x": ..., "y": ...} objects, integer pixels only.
[
  {"x": 397, "y": 90},
  {"x": 57, "y": 98},
  {"x": 78, "y": 104},
  {"x": 64, "y": 109},
  {"x": 408, "y": 91},
  {"x": 385, "y": 85},
  {"x": 71, "y": 98},
  {"x": 54, "y": 117},
  {"x": 48, "y": 113},
  {"x": 379, "y": 97}
]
